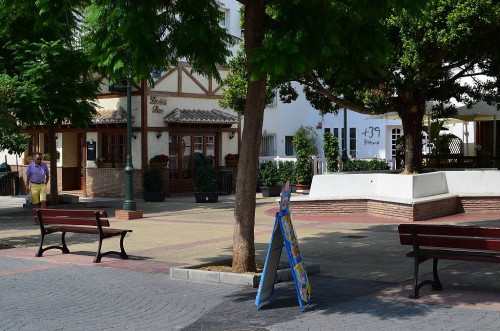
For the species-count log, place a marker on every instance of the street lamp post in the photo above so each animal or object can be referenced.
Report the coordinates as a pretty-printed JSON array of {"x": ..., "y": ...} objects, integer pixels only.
[
  {"x": 129, "y": 203},
  {"x": 344, "y": 156}
]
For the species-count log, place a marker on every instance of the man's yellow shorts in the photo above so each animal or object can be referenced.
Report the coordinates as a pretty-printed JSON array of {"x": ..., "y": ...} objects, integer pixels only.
[{"x": 38, "y": 193}]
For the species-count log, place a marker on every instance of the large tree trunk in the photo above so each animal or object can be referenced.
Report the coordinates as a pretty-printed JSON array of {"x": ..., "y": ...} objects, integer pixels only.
[
  {"x": 54, "y": 194},
  {"x": 411, "y": 117},
  {"x": 246, "y": 180}
]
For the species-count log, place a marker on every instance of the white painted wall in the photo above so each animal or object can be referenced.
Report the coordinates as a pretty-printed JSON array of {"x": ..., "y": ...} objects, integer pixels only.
[
  {"x": 473, "y": 182},
  {"x": 404, "y": 188},
  {"x": 67, "y": 141}
]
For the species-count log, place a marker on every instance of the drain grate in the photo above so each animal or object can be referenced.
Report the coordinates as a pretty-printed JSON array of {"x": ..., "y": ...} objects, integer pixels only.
[{"x": 353, "y": 236}]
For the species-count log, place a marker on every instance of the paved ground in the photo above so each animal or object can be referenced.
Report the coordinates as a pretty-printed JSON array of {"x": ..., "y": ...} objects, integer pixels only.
[{"x": 363, "y": 285}]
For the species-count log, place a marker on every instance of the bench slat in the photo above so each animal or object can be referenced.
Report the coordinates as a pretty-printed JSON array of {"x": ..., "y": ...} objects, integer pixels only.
[
  {"x": 453, "y": 242},
  {"x": 81, "y": 229},
  {"x": 71, "y": 212},
  {"x": 450, "y": 230},
  {"x": 457, "y": 255},
  {"x": 73, "y": 221}
]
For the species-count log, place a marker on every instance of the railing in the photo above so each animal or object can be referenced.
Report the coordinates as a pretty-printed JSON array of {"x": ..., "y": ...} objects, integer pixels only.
[
  {"x": 9, "y": 183},
  {"x": 319, "y": 163},
  {"x": 450, "y": 161}
]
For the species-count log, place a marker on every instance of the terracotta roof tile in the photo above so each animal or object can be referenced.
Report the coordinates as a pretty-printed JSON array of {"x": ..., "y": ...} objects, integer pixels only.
[
  {"x": 213, "y": 116},
  {"x": 111, "y": 116}
]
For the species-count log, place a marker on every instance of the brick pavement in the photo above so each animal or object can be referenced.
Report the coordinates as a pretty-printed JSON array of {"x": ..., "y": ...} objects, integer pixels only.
[{"x": 358, "y": 289}]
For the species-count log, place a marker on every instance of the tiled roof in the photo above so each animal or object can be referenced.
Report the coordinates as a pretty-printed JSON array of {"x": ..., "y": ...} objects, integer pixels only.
[
  {"x": 199, "y": 116},
  {"x": 111, "y": 116}
]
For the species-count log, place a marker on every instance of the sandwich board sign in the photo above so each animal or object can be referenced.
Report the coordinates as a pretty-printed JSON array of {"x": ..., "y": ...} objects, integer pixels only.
[{"x": 284, "y": 236}]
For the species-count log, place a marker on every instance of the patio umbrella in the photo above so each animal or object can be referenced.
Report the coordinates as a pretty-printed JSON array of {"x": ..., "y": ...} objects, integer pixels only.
[{"x": 481, "y": 112}]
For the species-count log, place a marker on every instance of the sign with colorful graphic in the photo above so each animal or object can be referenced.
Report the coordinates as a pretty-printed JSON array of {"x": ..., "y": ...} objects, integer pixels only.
[{"x": 284, "y": 235}]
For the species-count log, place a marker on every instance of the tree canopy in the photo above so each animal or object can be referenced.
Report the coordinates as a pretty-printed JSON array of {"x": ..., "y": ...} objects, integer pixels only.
[
  {"x": 136, "y": 37},
  {"x": 49, "y": 75},
  {"x": 442, "y": 55}
]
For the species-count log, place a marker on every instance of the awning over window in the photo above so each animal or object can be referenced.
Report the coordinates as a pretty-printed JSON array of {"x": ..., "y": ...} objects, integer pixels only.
[
  {"x": 198, "y": 116},
  {"x": 111, "y": 116}
]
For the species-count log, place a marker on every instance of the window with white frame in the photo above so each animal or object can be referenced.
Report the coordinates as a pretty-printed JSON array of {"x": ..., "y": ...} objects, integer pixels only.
[
  {"x": 268, "y": 144},
  {"x": 396, "y": 133},
  {"x": 289, "y": 151},
  {"x": 224, "y": 18}
]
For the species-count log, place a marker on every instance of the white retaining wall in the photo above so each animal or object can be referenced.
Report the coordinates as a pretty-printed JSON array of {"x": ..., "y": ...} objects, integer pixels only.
[{"x": 404, "y": 187}]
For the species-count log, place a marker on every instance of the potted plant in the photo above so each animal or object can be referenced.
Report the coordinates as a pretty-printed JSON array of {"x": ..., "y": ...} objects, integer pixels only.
[
  {"x": 231, "y": 159},
  {"x": 286, "y": 170},
  {"x": 332, "y": 151},
  {"x": 269, "y": 178},
  {"x": 304, "y": 142},
  {"x": 206, "y": 184},
  {"x": 102, "y": 162},
  {"x": 159, "y": 161},
  {"x": 152, "y": 182}
]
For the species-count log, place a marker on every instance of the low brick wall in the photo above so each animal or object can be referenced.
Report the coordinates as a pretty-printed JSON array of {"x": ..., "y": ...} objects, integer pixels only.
[
  {"x": 405, "y": 211},
  {"x": 110, "y": 182},
  {"x": 437, "y": 208},
  {"x": 479, "y": 204}
]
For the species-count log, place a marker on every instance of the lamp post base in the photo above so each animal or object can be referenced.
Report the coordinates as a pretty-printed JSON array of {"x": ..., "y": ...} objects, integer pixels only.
[{"x": 129, "y": 214}]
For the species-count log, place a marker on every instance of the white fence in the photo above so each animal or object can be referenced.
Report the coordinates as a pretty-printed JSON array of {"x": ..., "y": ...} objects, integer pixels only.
[{"x": 319, "y": 163}]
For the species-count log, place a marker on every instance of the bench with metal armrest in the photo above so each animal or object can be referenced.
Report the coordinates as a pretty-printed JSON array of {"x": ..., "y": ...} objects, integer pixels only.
[{"x": 77, "y": 221}]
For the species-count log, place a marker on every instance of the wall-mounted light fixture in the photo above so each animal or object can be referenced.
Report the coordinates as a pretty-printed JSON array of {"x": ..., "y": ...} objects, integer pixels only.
[
  {"x": 158, "y": 135},
  {"x": 231, "y": 135}
]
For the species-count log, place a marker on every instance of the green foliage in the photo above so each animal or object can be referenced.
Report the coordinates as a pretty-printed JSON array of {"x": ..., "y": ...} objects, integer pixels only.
[
  {"x": 159, "y": 158},
  {"x": 304, "y": 142},
  {"x": 286, "y": 171},
  {"x": 206, "y": 179},
  {"x": 364, "y": 165},
  {"x": 268, "y": 174},
  {"x": 50, "y": 77},
  {"x": 234, "y": 95},
  {"x": 152, "y": 179},
  {"x": 332, "y": 151},
  {"x": 422, "y": 58},
  {"x": 134, "y": 37},
  {"x": 441, "y": 142},
  {"x": 46, "y": 157}
]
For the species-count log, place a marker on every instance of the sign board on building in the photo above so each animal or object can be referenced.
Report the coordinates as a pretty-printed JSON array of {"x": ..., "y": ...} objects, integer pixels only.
[
  {"x": 118, "y": 86},
  {"x": 284, "y": 236},
  {"x": 91, "y": 152}
]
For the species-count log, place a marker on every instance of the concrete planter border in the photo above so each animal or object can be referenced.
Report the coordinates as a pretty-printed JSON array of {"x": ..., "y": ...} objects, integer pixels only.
[{"x": 193, "y": 273}]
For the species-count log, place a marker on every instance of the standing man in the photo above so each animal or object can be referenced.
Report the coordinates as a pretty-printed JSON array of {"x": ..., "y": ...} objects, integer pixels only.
[{"x": 37, "y": 178}]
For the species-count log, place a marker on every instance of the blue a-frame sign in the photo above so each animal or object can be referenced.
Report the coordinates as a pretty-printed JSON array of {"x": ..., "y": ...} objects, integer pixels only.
[{"x": 284, "y": 235}]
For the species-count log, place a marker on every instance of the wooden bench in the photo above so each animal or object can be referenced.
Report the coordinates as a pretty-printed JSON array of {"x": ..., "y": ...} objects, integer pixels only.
[
  {"x": 77, "y": 221},
  {"x": 449, "y": 242}
]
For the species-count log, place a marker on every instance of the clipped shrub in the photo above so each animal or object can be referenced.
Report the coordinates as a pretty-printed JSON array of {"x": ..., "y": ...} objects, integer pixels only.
[
  {"x": 286, "y": 170},
  {"x": 268, "y": 174},
  {"x": 365, "y": 165}
]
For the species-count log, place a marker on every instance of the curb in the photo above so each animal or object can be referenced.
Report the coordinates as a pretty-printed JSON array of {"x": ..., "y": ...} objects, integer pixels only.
[{"x": 191, "y": 273}]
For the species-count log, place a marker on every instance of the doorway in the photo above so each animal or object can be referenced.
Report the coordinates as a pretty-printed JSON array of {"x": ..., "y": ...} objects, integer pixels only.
[{"x": 185, "y": 151}]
